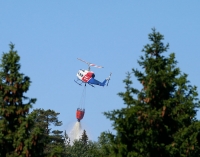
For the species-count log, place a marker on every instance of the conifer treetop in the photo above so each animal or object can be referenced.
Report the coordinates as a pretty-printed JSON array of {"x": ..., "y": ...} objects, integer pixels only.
[
  {"x": 16, "y": 126},
  {"x": 156, "y": 120}
]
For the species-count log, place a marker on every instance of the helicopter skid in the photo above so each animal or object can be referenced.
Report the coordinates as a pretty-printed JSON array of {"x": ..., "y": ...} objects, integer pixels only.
[
  {"x": 82, "y": 83},
  {"x": 78, "y": 83}
]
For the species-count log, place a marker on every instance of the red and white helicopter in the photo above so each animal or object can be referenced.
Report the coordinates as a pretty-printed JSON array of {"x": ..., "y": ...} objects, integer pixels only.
[{"x": 87, "y": 76}]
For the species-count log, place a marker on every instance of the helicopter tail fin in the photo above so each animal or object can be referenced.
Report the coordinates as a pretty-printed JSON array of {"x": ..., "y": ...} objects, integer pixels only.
[
  {"x": 106, "y": 80},
  {"x": 103, "y": 83}
]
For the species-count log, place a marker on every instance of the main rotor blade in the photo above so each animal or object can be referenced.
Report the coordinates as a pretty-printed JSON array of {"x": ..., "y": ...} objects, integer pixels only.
[
  {"x": 90, "y": 64},
  {"x": 96, "y": 66},
  {"x": 83, "y": 61}
]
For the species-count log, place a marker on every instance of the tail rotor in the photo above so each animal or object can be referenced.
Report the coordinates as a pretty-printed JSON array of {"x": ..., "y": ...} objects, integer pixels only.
[{"x": 109, "y": 78}]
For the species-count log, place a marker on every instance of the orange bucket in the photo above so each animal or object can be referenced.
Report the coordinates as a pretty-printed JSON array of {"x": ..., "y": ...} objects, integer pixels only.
[{"x": 79, "y": 114}]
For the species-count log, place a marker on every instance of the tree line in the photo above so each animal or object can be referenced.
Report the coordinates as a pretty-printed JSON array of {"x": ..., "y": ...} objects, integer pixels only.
[{"x": 158, "y": 120}]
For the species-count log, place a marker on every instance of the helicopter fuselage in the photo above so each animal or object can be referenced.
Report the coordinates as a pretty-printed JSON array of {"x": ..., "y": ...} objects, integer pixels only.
[{"x": 85, "y": 75}]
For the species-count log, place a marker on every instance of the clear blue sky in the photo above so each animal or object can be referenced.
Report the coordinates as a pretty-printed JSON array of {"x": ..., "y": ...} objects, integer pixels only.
[{"x": 50, "y": 35}]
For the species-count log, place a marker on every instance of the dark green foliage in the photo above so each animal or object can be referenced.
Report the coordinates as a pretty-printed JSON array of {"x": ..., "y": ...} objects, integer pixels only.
[
  {"x": 17, "y": 135},
  {"x": 104, "y": 144},
  {"x": 53, "y": 139},
  {"x": 82, "y": 147},
  {"x": 159, "y": 120},
  {"x": 84, "y": 138}
]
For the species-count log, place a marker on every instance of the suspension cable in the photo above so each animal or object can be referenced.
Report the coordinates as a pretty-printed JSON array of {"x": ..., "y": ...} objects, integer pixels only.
[{"x": 82, "y": 100}]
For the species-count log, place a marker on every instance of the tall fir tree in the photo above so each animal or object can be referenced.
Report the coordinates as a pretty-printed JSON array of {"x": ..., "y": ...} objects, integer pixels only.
[
  {"x": 17, "y": 135},
  {"x": 159, "y": 120}
]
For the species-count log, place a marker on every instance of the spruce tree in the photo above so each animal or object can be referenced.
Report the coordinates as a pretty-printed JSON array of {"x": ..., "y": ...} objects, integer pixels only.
[
  {"x": 84, "y": 138},
  {"x": 17, "y": 135},
  {"x": 160, "y": 119}
]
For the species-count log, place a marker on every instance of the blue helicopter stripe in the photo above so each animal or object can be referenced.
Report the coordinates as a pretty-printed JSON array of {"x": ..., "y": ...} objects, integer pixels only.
[{"x": 93, "y": 81}]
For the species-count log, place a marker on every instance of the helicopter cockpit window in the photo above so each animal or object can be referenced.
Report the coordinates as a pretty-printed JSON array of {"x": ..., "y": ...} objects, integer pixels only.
[{"x": 80, "y": 74}]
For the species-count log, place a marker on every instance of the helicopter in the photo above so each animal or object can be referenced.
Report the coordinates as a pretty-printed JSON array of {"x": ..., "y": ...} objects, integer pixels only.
[{"x": 87, "y": 76}]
